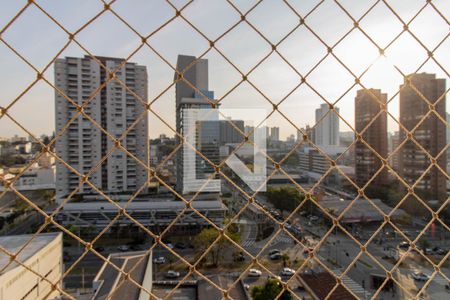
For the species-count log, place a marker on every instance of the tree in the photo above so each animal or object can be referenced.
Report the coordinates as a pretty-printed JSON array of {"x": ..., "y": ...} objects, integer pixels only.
[
  {"x": 269, "y": 291},
  {"x": 208, "y": 235},
  {"x": 48, "y": 195},
  {"x": 284, "y": 198},
  {"x": 20, "y": 204},
  {"x": 72, "y": 228}
]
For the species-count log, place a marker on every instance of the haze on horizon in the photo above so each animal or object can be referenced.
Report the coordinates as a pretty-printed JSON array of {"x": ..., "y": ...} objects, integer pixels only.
[{"x": 38, "y": 39}]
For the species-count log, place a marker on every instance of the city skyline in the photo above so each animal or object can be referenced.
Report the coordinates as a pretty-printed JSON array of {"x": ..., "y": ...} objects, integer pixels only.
[
  {"x": 236, "y": 149},
  {"x": 381, "y": 76}
]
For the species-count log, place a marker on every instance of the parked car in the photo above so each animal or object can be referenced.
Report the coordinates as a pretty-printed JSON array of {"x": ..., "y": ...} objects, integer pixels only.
[
  {"x": 135, "y": 247},
  {"x": 273, "y": 251},
  {"x": 99, "y": 249},
  {"x": 159, "y": 260},
  {"x": 275, "y": 256},
  {"x": 240, "y": 257},
  {"x": 403, "y": 245},
  {"x": 439, "y": 251},
  {"x": 180, "y": 245},
  {"x": 307, "y": 250},
  {"x": 254, "y": 273},
  {"x": 169, "y": 245},
  {"x": 123, "y": 248},
  {"x": 313, "y": 218},
  {"x": 172, "y": 274},
  {"x": 428, "y": 251},
  {"x": 278, "y": 217},
  {"x": 287, "y": 272},
  {"x": 420, "y": 276}
]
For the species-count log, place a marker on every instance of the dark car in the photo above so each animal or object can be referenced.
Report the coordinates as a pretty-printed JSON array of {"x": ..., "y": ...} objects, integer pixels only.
[
  {"x": 180, "y": 246},
  {"x": 99, "y": 249},
  {"x": 439, "y": 251},
  {"x": 240, "y": 257},
  {"x": 135, "y": 247},
  {"x": 275, "y": 256},
  {"x": 404, "y": 246},
  {"x": 273, "y": 251}
]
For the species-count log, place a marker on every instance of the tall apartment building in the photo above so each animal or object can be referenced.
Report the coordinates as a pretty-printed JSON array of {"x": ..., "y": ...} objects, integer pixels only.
[
  {"x": 192, "y": 170},
  {"x": 83, "y": 145},
  {"x": 431, "y": 134},
  {"x": 326, "y": 131},
  {"x": 309, "y": 131},
  {"x": 367, "y": 111},
  {"x": 393, "y": 144},
  {"x": 275, "y": 134}
]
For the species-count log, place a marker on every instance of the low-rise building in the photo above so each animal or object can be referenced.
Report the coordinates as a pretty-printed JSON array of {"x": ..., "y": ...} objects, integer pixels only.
[
  {"x": 46, "y": 160},
  {"x": 34, "y": 177},
  {"x": 315, "y": 162},
  {"x": 43, "y": 255},
  {"x": 111, "y": 284},
  {"x": 150, "y": 213}
]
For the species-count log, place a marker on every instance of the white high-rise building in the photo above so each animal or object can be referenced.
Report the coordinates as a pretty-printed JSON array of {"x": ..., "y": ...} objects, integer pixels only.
[
  {"x": 326, "y": 132},
  {"x": 192, "y": 170},
  {"x": 82, "y": 145}
]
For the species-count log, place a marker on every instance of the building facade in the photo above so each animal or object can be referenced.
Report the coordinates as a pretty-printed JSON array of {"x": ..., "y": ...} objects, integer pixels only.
[
  {"x": 430, "y": 133},
  {"x": 82, "y": 145},
  {"x": 192, "y": 170},
  {"x": 43, "y": 255},
  {"x": 229, "y": 131},
  {"x": 371, "y": 123},
  {"x": 274, "y": 134},
  {"x": 326, "y": 130}
]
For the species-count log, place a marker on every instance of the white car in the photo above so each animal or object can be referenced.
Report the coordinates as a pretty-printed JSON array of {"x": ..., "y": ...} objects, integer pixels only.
[
  {"x": 287, "y": 272},
  {"x": 122, "y": 248},
  {"x": 313, "y": 218},
  {"x": 419, "y": 276},
  {"x": 159, "y": 260},
  {"x": 172, "y": 274},
  {"x": 254, "y": 273}
]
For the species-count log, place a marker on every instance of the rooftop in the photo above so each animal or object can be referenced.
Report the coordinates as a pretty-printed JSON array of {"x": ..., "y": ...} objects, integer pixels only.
[
  {"x": 361, "y": 209},
  {"x": 148, "y": 205},
  {"x": 321, "y": 284},
  {"x": 13, "y": 243},
  {"x": 112, "y": 283}
]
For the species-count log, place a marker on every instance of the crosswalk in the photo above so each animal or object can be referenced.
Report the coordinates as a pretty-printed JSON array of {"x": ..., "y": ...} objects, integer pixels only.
[
  {"x": 249, "y": 242},
  {"x": 282, "y": 238},
  {"x": 355, "y": 287}
]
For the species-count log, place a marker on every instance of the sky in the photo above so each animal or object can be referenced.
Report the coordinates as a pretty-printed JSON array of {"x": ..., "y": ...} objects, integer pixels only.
[{"x": 38, "y": 39}]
